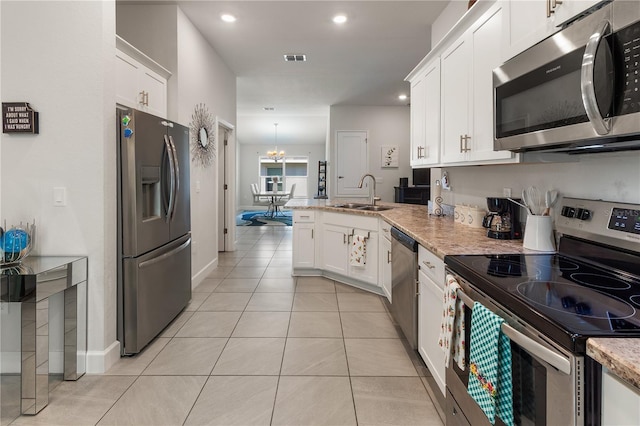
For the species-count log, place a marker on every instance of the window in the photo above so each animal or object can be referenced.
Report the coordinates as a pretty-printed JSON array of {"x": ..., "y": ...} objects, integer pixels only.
[{"x": 281, "y": 175}]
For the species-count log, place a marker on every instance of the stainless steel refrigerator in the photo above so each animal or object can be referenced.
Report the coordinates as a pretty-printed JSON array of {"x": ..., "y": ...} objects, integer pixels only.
[{"x": 154, "y": 224}]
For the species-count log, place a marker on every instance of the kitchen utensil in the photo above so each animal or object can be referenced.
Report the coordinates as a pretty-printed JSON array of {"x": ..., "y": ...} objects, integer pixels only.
[
  {"x": 526, "y": 201},
  {"x": 533, "y": 199},
  {"x": 550, "y": 198}
]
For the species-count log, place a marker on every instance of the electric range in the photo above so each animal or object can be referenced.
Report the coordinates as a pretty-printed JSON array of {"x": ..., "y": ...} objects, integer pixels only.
[
  {"x": 590, "y": 288},
  {"x": 551, "y": 304}
]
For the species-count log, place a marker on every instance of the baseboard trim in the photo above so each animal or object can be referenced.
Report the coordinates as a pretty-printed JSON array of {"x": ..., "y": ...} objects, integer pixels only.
[
  {"x": 99, "y": 362},
  {"x": 203, "y": 273}
]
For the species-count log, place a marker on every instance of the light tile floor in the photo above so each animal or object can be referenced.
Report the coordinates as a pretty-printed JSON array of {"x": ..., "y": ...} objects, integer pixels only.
[{"x": 258, "y": 347}]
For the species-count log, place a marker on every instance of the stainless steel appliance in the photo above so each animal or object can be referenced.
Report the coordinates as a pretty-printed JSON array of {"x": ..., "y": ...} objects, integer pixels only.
[
  {"x": 503, "y": 220},
  {"x": 154, "y": 223},
  {"x": 404, "y": 284},
  {"x": 552, "y": 303},
  {"x": 578, "y": 90}
]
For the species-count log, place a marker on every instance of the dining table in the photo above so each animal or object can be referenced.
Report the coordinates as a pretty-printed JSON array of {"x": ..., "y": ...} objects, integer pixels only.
[{"x": 275, "y": 197}]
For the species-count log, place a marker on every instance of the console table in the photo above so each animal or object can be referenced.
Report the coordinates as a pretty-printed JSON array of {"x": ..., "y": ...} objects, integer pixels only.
[
  {"x": 25, "y": 292},
  {"x": 412, "y": 194}
]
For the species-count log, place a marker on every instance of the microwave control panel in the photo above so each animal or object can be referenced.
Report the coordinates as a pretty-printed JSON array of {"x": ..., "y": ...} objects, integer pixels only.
[{"x": 628, "y": 42}]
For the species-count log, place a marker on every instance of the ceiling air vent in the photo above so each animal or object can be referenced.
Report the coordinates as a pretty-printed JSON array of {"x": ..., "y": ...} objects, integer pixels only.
[{"x": 295, "y": 57}]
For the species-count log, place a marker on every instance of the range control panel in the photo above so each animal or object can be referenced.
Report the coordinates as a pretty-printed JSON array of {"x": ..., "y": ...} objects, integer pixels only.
[{"x": 615, "y": 224}]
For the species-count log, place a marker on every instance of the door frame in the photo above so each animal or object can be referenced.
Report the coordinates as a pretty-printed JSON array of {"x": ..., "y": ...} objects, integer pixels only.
[{"x": 226, "y": 158}]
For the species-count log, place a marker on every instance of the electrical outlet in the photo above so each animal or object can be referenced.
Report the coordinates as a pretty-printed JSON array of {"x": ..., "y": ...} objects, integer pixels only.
[{"x": 506, "y": 192}]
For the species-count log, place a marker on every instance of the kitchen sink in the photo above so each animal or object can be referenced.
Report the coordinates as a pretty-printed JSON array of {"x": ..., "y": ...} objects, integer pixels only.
[
  {"x": 360, "y": 206},
  {"x": 350, "y": 205},
  {"x": 374, "y": 208}
]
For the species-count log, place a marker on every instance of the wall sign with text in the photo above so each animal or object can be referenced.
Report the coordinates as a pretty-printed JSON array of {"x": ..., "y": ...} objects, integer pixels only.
[{"x": 19, "y": 117}]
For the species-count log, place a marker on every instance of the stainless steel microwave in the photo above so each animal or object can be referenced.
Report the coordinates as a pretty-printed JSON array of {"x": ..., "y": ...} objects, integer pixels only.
[{"x": 576, "y": 91}]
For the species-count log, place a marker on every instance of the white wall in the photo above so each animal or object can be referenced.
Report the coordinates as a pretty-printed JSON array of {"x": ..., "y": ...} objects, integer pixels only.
[
  {"x": 59, "y": 57},
  {"x": 449, "y": 16},
  {"x": 248, "y": 171},
  {"x": 203, "y": 78},
  {"x": 612, "y": 177},
  {"x": 385, "y": 126}
]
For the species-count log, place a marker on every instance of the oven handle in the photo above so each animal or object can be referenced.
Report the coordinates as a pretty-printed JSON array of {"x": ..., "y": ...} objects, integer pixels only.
[
  {"x": 549, "y": 356},
  {"x": 587, "y": 84}
]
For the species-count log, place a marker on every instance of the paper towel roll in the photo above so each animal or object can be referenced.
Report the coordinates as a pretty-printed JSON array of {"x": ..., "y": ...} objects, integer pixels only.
[{"x": 437, "y": 199}]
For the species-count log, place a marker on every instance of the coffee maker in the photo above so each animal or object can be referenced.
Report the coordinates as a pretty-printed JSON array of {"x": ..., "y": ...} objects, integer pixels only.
[{"x": 503, "y": 219}]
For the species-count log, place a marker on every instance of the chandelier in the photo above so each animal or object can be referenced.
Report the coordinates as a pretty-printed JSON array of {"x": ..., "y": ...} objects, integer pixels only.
[{"x": 275, "y": 155}]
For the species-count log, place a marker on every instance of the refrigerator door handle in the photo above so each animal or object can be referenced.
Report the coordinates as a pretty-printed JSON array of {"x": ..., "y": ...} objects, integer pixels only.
[
  {"x": 165, "y": 255},
  {"x": 176, "y": 173},
  {"x": 172, "y": 169}
]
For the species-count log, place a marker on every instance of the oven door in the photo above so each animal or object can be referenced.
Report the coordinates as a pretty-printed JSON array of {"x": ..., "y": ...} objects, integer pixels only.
[{"x": 546, "y": 379}]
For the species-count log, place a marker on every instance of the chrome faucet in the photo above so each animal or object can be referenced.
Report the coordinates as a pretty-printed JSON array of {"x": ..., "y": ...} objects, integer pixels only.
[{"x": 373, "y": 196}]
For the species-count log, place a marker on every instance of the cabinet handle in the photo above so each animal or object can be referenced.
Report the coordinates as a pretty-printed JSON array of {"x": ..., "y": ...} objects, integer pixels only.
[
  {"x": 552, "y": 4},
  {"x": 312, "y": 234},
  {"x": 428, "y": 264},
  {"x": 388, "y": 256},
  {"x": 464, "y": 146},
  {"x": 144, "y": 98},
  {"x": 344, "y": 238}
]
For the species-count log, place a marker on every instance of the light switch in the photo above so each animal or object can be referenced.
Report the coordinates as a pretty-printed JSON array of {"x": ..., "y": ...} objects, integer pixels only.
[
  {"x": 60, "y": 196},
  {"x": 197, "y": 186}
]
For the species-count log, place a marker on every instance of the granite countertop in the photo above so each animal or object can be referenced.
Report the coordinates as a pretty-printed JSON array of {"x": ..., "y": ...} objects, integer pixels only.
[
  {"x": 440, "y": 235},
  {"x": 620, "y": 355},
  {"x": 443, "y": 236}
]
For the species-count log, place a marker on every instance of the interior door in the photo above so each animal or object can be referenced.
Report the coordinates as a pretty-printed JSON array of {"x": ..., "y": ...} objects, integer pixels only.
[{"x": 352, "y": 160}]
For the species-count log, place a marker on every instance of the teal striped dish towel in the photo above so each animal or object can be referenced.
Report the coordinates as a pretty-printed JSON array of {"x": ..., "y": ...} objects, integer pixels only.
[{"x": 490, "y": 366}]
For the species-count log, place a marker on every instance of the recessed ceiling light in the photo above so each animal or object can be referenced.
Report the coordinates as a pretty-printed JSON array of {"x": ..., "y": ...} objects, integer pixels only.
[
  {"x": 402, "y": 97},
  {"x": 228, "y": 18},
  {"x": 339, "y": 19}
]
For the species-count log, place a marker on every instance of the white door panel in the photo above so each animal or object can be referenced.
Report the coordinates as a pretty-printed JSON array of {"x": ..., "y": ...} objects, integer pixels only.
[{"x": 352, "y": 162}]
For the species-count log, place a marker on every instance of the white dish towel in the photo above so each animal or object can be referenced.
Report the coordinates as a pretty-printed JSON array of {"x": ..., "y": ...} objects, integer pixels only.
[
  {"x": 358, "y": 252},
  {"x": 452, "y": 328}
]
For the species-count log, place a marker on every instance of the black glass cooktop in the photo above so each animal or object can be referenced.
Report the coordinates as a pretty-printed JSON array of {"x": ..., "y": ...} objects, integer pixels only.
[{"x": 564, "y": 297}]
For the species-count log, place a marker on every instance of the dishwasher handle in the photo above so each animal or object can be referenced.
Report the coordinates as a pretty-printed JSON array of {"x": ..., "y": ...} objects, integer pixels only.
[{"x": 404, "y": 239}]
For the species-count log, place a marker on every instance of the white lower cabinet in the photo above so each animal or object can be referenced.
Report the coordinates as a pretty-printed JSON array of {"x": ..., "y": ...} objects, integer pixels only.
[
  {"x": 430, "y": 298},
  {"x": 620, "y": 401},
  {"x": 335, "y": 249},
  {"x": 384, "y": 259},
  {"x": 304, "y": 251}
]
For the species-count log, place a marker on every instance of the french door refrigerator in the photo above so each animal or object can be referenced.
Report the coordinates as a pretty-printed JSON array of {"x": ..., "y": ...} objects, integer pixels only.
[{"x": 154, "y": 224}]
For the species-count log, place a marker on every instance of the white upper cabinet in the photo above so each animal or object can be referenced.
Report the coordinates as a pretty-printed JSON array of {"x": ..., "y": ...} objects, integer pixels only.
[
  {"x": 571, "y": 9},
  {"x": 141, "y": 83},
  {"x": 456, "y": 67},
  {"x": 425, "y": 116},
  {"x": 467, "y": 92}
]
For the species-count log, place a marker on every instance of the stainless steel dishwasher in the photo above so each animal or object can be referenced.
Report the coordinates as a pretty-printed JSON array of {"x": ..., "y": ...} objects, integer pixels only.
[{"x": 404, "y": 279}]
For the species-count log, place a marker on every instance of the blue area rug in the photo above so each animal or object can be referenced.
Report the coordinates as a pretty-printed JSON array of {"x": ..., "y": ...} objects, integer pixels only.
[{"x": 260, "y": 218}]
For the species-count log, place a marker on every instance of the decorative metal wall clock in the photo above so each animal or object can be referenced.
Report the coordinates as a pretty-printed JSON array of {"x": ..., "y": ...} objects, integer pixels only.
[{"x": 203, "y": 144}]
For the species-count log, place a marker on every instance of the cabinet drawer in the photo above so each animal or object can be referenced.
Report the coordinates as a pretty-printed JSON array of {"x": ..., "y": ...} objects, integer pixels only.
[
  {"x": 385, "y": 229},
  {"x": 431, "y": 265},
  {"x": 303, "y": 216},
  {"x": 347, "y": 220}
]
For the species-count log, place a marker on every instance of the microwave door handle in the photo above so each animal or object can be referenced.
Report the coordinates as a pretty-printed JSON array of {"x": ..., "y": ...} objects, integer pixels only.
[
  {"x": 556, "y": 360},
  {"x": 587, "y": 85},
  {"x": 176, "y": 174},
  {"x": 167, "y": 145}
]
